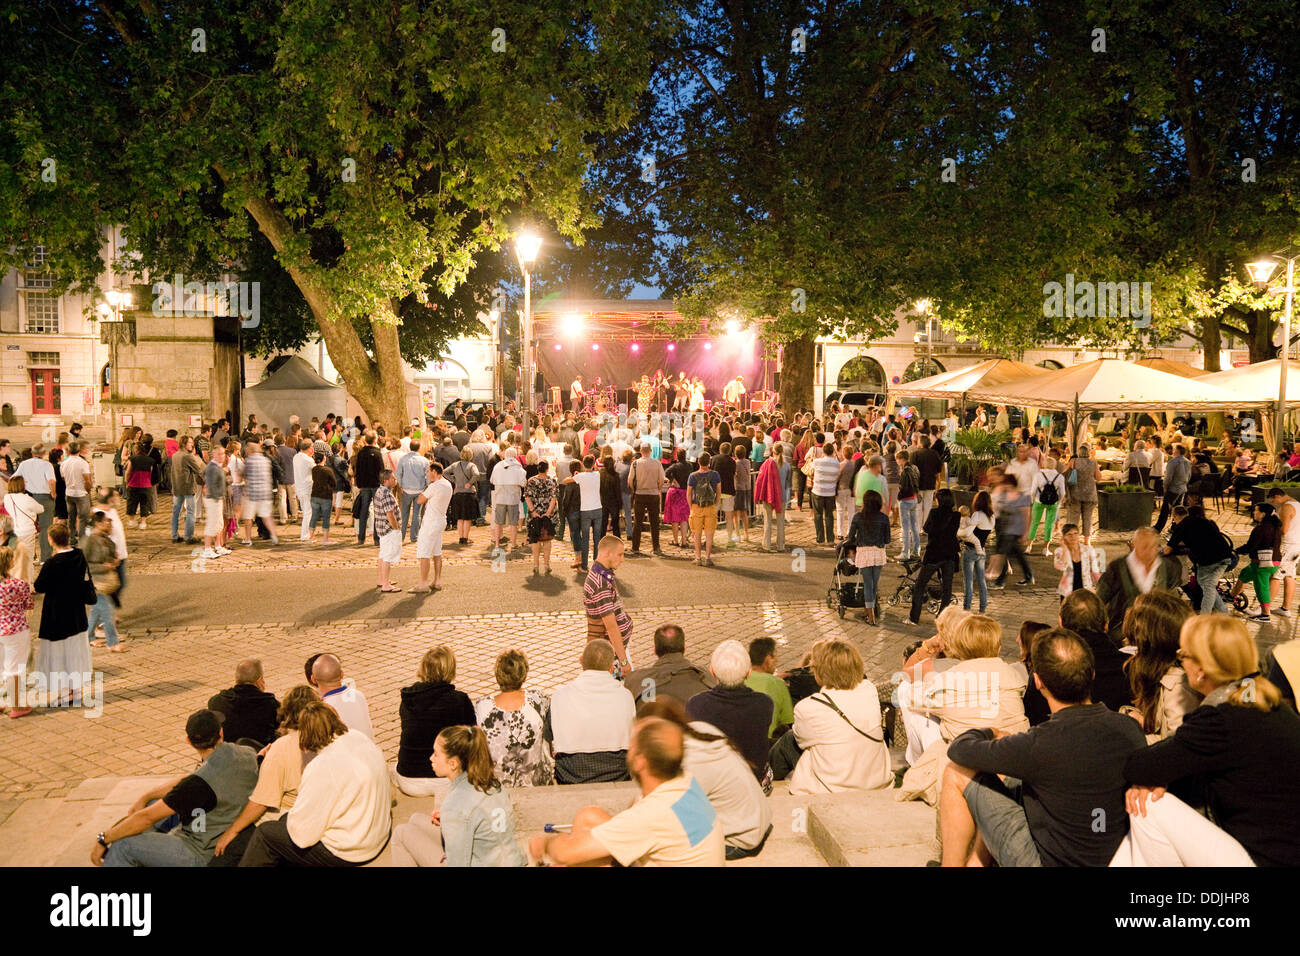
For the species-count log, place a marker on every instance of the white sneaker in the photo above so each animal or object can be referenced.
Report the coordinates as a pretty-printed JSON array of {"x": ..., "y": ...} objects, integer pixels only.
[
  {"x": 142, "y": 526},
  {"x": 210, "y": 554},
  {"x": 1282, "y": 611},
  {"x": 221, "y": 551}
]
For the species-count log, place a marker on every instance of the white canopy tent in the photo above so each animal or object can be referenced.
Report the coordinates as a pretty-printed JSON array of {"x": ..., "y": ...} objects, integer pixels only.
[
  {"x": 1114, "y": 385},
  {"x": 1261, "y": 381}
]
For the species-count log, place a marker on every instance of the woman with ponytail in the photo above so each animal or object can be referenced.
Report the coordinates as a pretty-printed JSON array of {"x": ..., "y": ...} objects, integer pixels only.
[
  {"x": 475, "y": 825},
  {"x": 1237, "y": 754}
]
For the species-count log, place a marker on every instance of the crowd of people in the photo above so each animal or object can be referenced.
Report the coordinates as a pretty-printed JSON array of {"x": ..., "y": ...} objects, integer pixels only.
[{"x": 1137, "y": 728}]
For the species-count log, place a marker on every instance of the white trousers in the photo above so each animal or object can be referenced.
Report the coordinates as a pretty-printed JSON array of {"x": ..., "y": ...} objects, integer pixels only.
[
  {"x": 417, "y": 842},
  {"x": 922, "y": 730},
  {"x": 843, "y": 512},
  {"x": 304, "y": 505},
  {"x": 1173, "y": 834}
]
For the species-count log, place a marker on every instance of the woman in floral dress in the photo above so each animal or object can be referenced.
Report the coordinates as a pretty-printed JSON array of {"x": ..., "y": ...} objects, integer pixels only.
[{"x": 513, "y": 722}]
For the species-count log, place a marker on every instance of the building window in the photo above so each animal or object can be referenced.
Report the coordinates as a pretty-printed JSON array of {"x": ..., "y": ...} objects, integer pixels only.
[
  {"x": 861, "y": 373},
  {"x": 42, "y": 312},
  {"x": 43, "y": 359}
]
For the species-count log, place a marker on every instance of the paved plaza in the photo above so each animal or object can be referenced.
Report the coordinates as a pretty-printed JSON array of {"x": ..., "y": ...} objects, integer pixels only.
[{"x": 189, "y": 622}]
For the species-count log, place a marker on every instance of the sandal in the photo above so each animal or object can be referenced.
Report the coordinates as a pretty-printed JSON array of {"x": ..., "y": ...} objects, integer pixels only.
[
  {"x": 99, "y": 644},
  {"x": 118, "y": 649},
  {"x": 390, "y": 590}
]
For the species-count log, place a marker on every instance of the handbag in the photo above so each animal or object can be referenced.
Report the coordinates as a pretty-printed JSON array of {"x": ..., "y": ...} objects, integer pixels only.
[
  {"x": 1072, "y": 478},
  {"x": 88, "y": 593},
  {"x": 106, "y": 582}
]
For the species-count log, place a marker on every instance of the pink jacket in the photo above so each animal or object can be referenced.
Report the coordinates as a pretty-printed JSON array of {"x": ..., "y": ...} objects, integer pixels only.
[{"x": 767, "y": 486}]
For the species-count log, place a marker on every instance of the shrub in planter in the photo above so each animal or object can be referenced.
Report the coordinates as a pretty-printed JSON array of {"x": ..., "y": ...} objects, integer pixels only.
[{"x": 1124, "y": 507}]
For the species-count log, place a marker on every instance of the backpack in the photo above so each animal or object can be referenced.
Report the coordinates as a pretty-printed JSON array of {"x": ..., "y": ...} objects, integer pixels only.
[
  {"x": 909, "y": 479},
  {"x": 706, "y": 496},
  {"x": 1048, "y": 495}
]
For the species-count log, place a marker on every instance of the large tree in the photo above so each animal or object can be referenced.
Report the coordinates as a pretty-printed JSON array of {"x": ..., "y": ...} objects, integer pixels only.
[{"x": 373, "y": 151}]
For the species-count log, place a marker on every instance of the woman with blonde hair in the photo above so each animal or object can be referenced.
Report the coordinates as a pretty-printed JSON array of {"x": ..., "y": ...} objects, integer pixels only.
[
  {"x": 514, "y": 721},
  {"x": 978, "y": 690},
  {"x": 475, "y": 825},
  {"x": 464, "y": 477},
  {"x": 427, "y": 706},
  {"x": 838, "y": 741},
  {"x": 1161, "y": 695},
  {"x": 1238, "y": 753}
]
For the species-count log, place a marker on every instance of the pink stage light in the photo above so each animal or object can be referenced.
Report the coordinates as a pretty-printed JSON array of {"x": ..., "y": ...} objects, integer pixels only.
[
  {"x": 595, "y": 346},
  {"x": 636, "y": 347},
  {"x": 558, "y": 346},
  {"x": 672, "y": 346},
  {"x": 708, "y": 346}
]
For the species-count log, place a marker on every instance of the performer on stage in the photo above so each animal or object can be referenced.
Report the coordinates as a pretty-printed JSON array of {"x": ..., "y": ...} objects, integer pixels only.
[
  {"x": 734, "y": 391},
  {"x": 644, "y": 392},
  {"x": 575, "y": 393},
  {"x": 681, "y": 392},
  {"x": 697, "y": 395},
  {"x": 660, "y": 383}
]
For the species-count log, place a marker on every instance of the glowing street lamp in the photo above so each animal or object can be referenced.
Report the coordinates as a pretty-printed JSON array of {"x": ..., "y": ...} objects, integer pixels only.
[
  {"x": 527, "y": 246},
  {"x": 1261, "y": 270}
]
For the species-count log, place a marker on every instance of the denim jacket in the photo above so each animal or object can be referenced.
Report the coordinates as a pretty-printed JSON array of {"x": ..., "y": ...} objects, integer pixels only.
[{"x": 478, "y": 829}]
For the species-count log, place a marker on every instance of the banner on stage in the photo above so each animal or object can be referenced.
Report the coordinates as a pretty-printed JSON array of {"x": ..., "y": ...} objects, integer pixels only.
[{"x": 550, "y": 450}]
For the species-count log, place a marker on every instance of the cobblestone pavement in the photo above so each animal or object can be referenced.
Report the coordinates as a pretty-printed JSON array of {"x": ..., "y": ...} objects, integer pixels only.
[{"x": 175, "y": 666}]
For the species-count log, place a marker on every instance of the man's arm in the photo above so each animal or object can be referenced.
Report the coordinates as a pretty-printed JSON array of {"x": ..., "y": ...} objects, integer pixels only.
[
  {"x": 615, "y": 636},
  {"x": 572, "y": 849},
  {"x": 978, "y": 750}
]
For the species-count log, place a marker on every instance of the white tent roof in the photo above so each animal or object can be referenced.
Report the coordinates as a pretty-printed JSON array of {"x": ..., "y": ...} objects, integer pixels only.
[
  {"x": 953, "y": 384},
  {"x": 294, "y": 388},
  {"x": 1260, "y": 381},
  {"x": 1114, "y": 385}
]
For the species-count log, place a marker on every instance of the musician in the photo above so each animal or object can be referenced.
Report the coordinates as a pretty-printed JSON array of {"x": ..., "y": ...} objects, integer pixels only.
[
  {"x": 644, "y": 392},
  {"x": 681, "y": 392},
  {"x": 697, "y": 394},
  {"x": 576, "y": 393},
  {"x": 660, "y": 383},
  {"x": 734, "y": 391}
]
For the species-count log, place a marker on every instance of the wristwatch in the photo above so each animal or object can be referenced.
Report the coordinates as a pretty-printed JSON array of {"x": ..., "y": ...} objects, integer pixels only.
[{"x": 101, "y": 841}]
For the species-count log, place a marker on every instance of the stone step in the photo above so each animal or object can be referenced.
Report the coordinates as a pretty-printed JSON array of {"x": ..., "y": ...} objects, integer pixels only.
[{"x": 844, "y": 829}]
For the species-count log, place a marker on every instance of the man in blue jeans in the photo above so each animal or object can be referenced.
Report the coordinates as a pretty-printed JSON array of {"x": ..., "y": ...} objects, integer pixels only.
[
  {"x": 585, "y": 516},
  {"x": 366, "y": 466},
  {"x": 178, "y": 822},
  {"x": 187, "y": 475},
  {"x": 412, "y": 477}
]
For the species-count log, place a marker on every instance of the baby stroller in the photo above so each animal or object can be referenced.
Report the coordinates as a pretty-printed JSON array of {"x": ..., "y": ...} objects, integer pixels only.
[
  {"x": 903, "y": 593},
  {"x": 1194, "y": 592},
  {"x": 845, "y": 591}
]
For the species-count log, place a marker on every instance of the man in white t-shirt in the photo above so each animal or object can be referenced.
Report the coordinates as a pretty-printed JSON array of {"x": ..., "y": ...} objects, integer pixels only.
[
  {"x": 1287, "y": 510},
  {"x": 342, "y": 695},
  {"x": 38, "y": 474},
  {"x": 75, "y": 469},
  {"x": 575, "y": 393},
  {"x": 303, "y": 463},
  {"x": 734, "y": 391},
  {"x": 672, "y": 824},
  {"x": 1024, "y": 469},
  {"x": 428, "y": 546},
  {"x": 507, "y": 478},
  {"x": 584, "y": 520}
]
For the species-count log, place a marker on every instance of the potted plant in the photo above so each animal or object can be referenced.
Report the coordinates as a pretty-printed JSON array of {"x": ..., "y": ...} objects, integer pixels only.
[
  {"x": 1124, "y": 507},
  {"x": 972, "y": 452}
]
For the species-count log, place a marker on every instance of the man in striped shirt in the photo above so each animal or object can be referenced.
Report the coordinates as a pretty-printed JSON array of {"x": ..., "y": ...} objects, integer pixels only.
[{"x": 606, "y": 617}]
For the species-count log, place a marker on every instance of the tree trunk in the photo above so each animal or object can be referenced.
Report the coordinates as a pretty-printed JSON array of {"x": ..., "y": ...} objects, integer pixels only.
[
  {"x": 378, "y": 384},
  {"x": 797, "y": 374},
  {"x": 1211, "y": 344}
]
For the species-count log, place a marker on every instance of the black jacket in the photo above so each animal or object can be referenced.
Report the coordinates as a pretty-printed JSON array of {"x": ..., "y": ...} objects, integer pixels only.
[
  {"x": 65, "y": 581},
  {"x": 1111, "y": 685},
  {"x": 742, "y": 714},
  {"x": 941, "y": 528},
  {"x": 1203, "y": 540},
  {"x": 1265, "y": 536},
  {"x": 250, "y": 712},
  {"x": 426, "y": 709},
  {"x": 367, "y": 463},
  {"x": 1245, "y": 763}
]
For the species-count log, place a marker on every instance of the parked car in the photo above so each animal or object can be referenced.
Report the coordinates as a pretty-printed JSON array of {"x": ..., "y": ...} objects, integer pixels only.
[
  {"x": 856, "y": 401},
  {"x": 473, "y": 412}
]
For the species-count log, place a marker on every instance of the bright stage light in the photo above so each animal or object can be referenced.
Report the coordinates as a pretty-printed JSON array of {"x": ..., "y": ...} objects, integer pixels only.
[
  {"x": 572, "y": 324},
  {"x": 595, "y": 346},
  {"x": 558, "y": 346},
  {"x": 732, "y": 326},
  {"x": 708, "y": 346},
  {"x": 672, "y": 346},
  {"x": 636, "y": 347}
]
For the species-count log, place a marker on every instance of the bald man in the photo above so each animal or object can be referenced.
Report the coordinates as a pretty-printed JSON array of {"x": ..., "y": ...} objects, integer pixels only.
[
  {"x": 344, "y": 696},
  {"x": 673, "y": 824},
  {"x": 250, "y": 712},
  {"x": 1141, "y": 571}
]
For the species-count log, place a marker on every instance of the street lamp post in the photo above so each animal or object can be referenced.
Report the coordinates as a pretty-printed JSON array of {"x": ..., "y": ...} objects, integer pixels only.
[
  {"x": 526, "y": 247},
  {"x": 1260, "y": 272},
  {"x": 111, "y": 311}
]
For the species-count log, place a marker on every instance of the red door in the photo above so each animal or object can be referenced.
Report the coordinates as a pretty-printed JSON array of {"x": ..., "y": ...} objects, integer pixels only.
[{"x": 45, "y": 391}]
